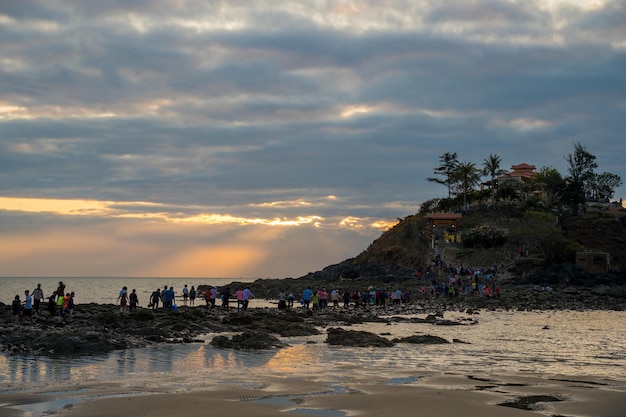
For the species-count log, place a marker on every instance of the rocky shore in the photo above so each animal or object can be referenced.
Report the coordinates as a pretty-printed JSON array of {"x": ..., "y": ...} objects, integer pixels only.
[{"x": 100, "y": 328}]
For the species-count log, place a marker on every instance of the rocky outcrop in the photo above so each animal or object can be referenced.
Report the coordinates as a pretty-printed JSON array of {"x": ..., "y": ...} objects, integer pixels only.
[
  {"x": 422, "y": 340},
  {"x": 97, "y": 329},
  {"x": 284, "y": 324},
  {"x": 355, "y": 338},
  {"x": 248, "y": 340}
]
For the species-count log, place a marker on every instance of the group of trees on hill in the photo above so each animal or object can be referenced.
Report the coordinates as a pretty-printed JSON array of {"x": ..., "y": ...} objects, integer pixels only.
[{"x": 547, "y": 189}]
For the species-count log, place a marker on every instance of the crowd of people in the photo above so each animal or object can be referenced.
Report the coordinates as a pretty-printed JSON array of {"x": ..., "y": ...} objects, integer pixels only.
[
  {"x": 322, "y": 299},
  {"x": 167, "y": 298},
  {"x": 438, "y": 281},
  {"x": 59, "y": 304}
]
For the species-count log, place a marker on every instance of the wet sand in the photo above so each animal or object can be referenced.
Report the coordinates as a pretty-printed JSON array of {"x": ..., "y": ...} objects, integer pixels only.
[{"x": 431, "y": 395}]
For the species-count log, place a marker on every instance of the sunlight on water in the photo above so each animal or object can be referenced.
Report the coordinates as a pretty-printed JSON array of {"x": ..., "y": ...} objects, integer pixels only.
[{"x": 566, "y": 343}]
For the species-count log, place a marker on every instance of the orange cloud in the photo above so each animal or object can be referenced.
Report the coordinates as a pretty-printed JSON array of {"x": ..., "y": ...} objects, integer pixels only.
[{"x": 213, "y": 261}]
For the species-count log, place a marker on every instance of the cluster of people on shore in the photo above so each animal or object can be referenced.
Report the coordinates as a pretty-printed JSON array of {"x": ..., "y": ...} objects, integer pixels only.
[
  {"x": 319, "y": 299},
  {"x": 448, "y": 282},
  {"x": 60, "y": 304},
  {"x": 166, "y": 298},
  {"x": 456, "y": 281}
]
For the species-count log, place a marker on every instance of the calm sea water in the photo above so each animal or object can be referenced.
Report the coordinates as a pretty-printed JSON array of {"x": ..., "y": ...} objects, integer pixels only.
[
  {"x": 103, "y": 290},
  {"x": 575, "y": 344}
]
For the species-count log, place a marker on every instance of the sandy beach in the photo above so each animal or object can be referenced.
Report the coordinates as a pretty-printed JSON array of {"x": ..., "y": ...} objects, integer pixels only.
[{"x": 260, "y": 396}]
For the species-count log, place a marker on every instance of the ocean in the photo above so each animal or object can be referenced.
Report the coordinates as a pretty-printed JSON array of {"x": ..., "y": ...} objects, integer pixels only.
[
  {"x": 103, "y": 290},
  {"x": 570, "y": 345}
]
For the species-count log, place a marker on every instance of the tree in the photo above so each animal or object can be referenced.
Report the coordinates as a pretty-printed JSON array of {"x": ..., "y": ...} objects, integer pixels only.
[
  {"x": 467, "y": 177},
  {"x": 602, "y": 186},
  {"x": 446, "y": 169},
  {"x": 581, "y": 163},
  {"x": 581, "y": 166},
  {"x": 551, "y": 184},
  {"x": 541, "y": 233},
  {"x": 507, "y": 193},
  {"x": 491, "y": 167}
]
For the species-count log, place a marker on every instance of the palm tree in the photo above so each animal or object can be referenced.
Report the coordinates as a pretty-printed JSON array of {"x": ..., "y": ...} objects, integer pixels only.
[
  {"x": 491, "y": 167},
  {"x": 467, "y": 177}
]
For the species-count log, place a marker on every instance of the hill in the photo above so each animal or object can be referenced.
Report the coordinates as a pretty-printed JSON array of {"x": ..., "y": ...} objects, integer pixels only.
[
  {"x": 392, "y": 260},
  {"x": 406, "y": 248}
]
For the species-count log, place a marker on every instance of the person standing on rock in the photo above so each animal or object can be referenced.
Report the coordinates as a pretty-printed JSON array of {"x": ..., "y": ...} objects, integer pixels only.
[
  {"x": 192, "y": 295},
  {"x": 239, "y": 296},
  {"x": 306, "y": 298},
  {"x": 282, "y": 300},
  {"x": 60, "y": 292},
  {"x": 185, "y": 294},
  {"x": 133, "y": 299},
  {"x": 68, "y": 306},
  {"x": 207, "y": 297},
  {"x": 315, "y": 302},
  {"x": 290, "y": 300},
  {"x": 163, "y": 291},
  {"x": 155, "y": 297},
  {"x": 37, "y": 298},
  {"x": 346, "y": 299},
  {"x": 334, "y": 297},
  {"x": 214, "y": 295},
  {"x": 122, "y": 298},
  {"x": 16, "y": 308},
  {"x": 226, "y": 298},
  {"x": 28, "y": 306},
  {"x": 169, "y": 298},
  {"x": 323, "y": 296},
  {"x": 52, "y": 305},
  {"x": 247, "y": 296}
]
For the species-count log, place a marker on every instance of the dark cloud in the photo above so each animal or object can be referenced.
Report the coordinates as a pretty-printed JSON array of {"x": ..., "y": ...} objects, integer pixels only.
[{"x": 218, "y": 108}]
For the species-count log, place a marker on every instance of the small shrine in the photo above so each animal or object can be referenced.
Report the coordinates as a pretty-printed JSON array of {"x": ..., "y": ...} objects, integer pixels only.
[{"x": 443, "y": 226}]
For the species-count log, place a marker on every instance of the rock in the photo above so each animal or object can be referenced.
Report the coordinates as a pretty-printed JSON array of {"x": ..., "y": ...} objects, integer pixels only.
[
  {"x": 422, "y": 340},
  {"x": 248, "y": 340},
  {"x": 97, "y": 329},
  {"x": 355, "y": 338},
  {"x": 286, "y": 324}
]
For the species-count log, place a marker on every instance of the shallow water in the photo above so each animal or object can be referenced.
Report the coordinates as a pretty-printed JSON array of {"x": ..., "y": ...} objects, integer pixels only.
[{"x": 575, "y": 344}]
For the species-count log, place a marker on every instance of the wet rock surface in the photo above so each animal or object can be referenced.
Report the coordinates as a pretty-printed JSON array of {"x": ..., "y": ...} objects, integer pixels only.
[
  {"x": 355, "y": 338},
  {"x": 100, "y": 328},
  {"x": 248, "y": 340},
  {"x": 424, "y": 339}
]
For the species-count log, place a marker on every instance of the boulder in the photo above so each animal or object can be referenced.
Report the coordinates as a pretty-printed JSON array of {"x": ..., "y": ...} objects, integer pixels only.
[
  {"x": 355, "y": 338},
  {"x": 425, "y": 339},
  {"x": 248, "y": 340}
]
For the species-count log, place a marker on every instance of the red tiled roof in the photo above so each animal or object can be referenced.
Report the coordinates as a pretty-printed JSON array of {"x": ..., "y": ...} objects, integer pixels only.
[
  {"x": 521, "y": 170},
  {"x": 523, "y": 167},
  {"x": 441, "y": 216}
]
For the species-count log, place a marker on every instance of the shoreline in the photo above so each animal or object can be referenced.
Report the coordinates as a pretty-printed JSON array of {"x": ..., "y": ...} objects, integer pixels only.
[
  {"x": 407, "y": 394},
  {"x": 101, "y": 328},
  {"x": 281, "y": 382}
]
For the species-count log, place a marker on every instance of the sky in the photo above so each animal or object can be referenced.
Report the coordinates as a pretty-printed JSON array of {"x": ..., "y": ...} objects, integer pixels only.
[{"x": 195, "y": 138}]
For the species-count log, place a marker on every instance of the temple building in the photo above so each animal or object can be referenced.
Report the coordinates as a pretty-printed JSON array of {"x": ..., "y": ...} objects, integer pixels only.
[{"x": 520, "y": 174}]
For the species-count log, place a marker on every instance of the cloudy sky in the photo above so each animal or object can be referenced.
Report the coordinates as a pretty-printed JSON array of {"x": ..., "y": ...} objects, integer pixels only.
[{"x": 271, "y": 139}]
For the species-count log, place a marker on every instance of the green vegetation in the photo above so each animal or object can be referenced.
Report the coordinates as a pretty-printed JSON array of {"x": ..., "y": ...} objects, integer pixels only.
[
  {"x": 544, "y": 213},
  {"x": 485, "y": 236},
  {"x": 546, "y": 190}
]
